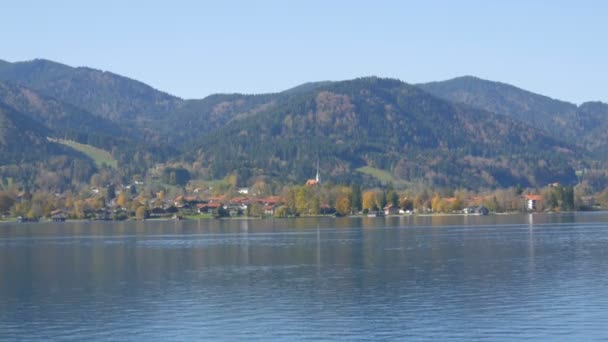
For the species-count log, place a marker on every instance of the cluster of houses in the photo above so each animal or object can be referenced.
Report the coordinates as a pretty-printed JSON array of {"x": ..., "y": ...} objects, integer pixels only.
[
  {"x": 236, "y": 206},
  {"x": 393, "y": 210},
  {"x": 247, "y": 203}
]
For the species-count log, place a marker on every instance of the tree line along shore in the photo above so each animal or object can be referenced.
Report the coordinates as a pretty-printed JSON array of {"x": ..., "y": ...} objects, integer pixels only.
[{"x": 223, "y": 199}]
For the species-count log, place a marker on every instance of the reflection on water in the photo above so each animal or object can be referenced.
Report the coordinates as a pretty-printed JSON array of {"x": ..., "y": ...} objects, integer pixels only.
[{"x": 453, "y": 277}]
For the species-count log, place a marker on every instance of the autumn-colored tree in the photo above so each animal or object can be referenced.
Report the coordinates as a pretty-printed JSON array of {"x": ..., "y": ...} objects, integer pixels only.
[
  {"x": 302, "y": 204},
  {"x": 35, "y": 211},
  {"x": 444, "y": 206},
  {"x": 290, "y": 199},
  {"x": 122, "y": 200},
  {"x": 78, "y": 209},
  {"x": 491, "y": 203},
  {"x": 281, "y": 211},
  {"x": 368, "y": 200},
  {"x": 133, "y": 205},
  {"x": 232, "y": 180},
  {"x": 259, "y": 187},
  {"x": 343, "y": 205},
  {"x": 141, "y": 213},
  {"x": 100, "y": 202},
  {"x": 418, "y": 203},
  {"x": 435, "y": 203}
]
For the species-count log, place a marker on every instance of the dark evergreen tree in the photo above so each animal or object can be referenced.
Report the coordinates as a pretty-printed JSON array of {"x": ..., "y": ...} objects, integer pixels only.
[
  {"x": 356, "y": 197},
  {"x": 110, "y": 193}
]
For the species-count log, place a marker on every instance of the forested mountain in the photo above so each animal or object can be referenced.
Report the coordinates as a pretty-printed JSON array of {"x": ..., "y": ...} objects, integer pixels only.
[
  {"x": 389, "y": 125},
  {"x": 21, "y": 138},
  {"x": 306, "y": 87},
  {"x": 25, "y": 151},
  {"x": 114, "y": 97},
  {"x": 60, "y": 117},
  {"x": 593, "y": 125},
  {"x": 195, "y": 118},
  {"x": 464, "y": 132},
  {"x": 583, "y": 125}
]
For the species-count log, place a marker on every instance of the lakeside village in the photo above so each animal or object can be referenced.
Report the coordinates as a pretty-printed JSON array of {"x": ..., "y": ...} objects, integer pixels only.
[{"x": 194, "y": 200}]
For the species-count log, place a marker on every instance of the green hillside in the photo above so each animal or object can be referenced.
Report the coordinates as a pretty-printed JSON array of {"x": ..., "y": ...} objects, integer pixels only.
[
  {"x": 99, "y": 156},
  {"x": 383, "y": 176}
]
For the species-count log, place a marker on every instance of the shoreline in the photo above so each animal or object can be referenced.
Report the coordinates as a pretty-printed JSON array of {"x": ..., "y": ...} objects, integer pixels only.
[{"x": 168, "y": 219}]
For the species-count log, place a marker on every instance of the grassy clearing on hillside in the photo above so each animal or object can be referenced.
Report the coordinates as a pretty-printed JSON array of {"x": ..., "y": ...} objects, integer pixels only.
[
  {"x": 383, "y": 176},
  {"x": 101, "y": 157}
]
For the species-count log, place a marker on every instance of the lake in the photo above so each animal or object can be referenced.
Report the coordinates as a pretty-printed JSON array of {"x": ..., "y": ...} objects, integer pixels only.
[{"x": 541, "y": 277}]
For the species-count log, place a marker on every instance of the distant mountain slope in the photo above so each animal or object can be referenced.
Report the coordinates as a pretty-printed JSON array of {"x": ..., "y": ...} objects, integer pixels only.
[
  {"x": 390, "y": 125},
  {"x": 26, "y": 155},
  {"x": 198, "y": 117},
  {"x": 23, "y": 142},
  {"x": 65, "y": 121},
  {"x": 22, "y": 138},
  {"x": 593, "y": 122},
  {"x": 105, "y": 94},
  {"x": 537, "y": 110},
  {"x": 302, "y": 88},
  {"x": 582, "y": 125},
  {"x": 54, "y": 114}
]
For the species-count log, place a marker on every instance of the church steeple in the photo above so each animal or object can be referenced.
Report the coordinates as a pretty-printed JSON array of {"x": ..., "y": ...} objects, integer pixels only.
[{"x": 316, "y": 180}]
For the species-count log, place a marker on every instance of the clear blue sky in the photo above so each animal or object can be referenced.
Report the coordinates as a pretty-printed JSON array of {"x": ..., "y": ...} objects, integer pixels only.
[{"x": 195, "y": 48}]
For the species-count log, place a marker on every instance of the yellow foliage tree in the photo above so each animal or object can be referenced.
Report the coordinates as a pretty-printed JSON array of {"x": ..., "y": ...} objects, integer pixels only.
[
  {"x": 435, "y": 203},
  {"x": 368, "y": 199},
  {"x": 259, "y": 187},
  {"x": 122, "y": 200},
  {"x": 141, "y": 213},
  {"x": 444, "y": 206},
  {"x": 343, "y": 205},
  {"x": 232, "y": 180},
  {"x": 302, "y": 200}
]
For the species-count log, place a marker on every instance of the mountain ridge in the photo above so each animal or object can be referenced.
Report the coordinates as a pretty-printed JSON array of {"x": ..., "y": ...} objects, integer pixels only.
[
  {"x": 564, "y": 120},
  {"x": 468, "y": 132},
  {"x": 102, "y": 93},
  {"x": 348, "y": 116}
]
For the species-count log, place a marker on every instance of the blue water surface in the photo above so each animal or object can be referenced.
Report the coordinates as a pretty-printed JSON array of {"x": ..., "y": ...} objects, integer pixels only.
[{"x": 520, "y": 277}]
